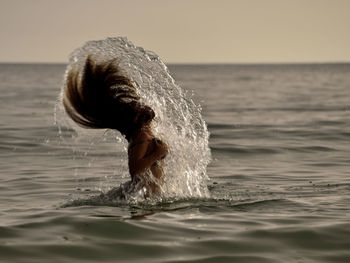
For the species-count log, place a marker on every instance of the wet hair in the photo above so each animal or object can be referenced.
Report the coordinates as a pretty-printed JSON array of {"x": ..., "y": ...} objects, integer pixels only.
[
  {"x": 143, "y": 114},
  {"x": 102, "y": 97}
]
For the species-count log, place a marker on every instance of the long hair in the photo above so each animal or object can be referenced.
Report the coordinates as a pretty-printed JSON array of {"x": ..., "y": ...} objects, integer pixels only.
[{"x": 101, "y": 97}]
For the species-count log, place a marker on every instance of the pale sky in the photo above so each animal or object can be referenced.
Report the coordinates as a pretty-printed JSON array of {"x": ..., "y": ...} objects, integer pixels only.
[{"x": 180, "y": 31}]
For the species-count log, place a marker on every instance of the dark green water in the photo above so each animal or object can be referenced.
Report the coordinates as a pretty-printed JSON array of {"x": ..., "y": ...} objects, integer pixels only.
[{"x": 279, "y": 188}]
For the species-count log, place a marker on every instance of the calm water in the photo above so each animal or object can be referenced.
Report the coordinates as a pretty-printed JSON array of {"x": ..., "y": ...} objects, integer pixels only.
[{"x": 280, "y": 180}]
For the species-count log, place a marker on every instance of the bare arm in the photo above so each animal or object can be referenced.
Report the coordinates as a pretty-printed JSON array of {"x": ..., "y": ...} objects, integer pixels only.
[
  {"x": 157, "y": 170},
  {"x": 139, "y": 161}
]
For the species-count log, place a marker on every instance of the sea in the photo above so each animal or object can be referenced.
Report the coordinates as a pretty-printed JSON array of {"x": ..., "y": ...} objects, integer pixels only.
[{"x": 278, "y": 180}]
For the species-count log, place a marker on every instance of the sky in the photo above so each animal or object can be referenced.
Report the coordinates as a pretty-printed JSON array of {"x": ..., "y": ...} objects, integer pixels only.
[{"x": 180, "y": 31}]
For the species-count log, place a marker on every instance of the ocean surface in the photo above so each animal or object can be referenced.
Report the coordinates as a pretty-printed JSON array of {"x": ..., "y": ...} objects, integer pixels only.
[{"x": 279, "y": 188}]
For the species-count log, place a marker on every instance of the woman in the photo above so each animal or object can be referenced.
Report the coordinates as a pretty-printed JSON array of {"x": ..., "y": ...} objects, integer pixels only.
[
  {"x": 146, "y": 152},
  {"x": 102, "y": 97}
]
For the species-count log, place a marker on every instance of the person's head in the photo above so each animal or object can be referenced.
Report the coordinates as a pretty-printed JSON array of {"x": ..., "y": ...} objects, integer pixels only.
[
  {"x": 143, "y": 114},
  {"x": 136, "y": 116}
]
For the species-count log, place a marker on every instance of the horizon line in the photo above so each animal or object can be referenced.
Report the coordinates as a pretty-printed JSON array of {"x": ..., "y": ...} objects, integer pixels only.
[{"x": 200, "y": 63}]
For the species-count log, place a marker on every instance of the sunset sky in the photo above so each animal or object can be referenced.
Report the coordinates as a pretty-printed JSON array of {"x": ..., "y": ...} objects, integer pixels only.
[{"x": 180, "y": 31}]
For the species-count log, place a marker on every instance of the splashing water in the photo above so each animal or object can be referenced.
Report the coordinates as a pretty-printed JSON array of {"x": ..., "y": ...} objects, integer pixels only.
[{"x": 178, "y": 118}]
